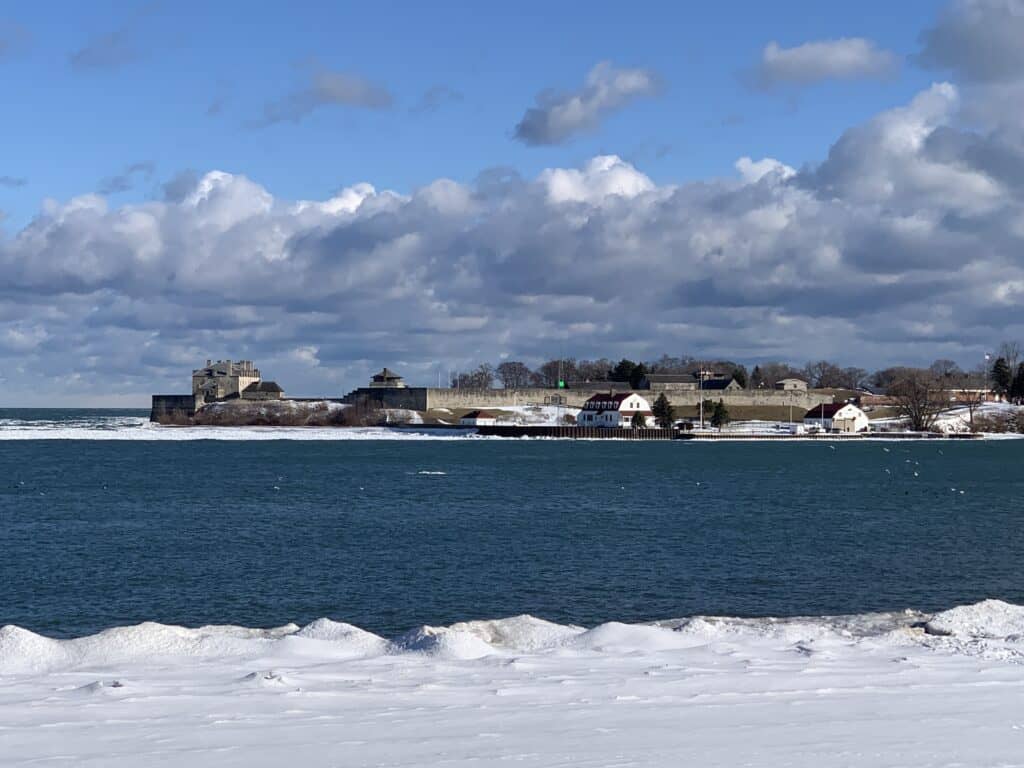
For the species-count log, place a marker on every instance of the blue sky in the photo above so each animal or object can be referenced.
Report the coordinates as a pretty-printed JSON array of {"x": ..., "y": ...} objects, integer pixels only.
[
  {"x": 66, "y": 130},
  {"x": 329, "y": 188}
]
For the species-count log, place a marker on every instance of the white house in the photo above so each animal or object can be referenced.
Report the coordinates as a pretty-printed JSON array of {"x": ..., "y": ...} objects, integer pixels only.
[
  {"x": 613, "y": 410},
  {"x": 478, "y": 419},
  {"x": 837, "y": 417}
]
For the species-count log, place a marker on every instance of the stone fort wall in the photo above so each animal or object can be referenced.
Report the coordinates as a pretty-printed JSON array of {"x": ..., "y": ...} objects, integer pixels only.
[{"x": 425, "y": 398}]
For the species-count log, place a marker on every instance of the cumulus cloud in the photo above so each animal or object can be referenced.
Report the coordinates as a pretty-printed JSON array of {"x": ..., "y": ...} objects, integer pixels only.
[
  {"x": 903, "y": 244},
  {"x": 560, "y": 116},
  {"x": 978, "y": 40},
  {"x": 847, "y": 58},
  {"x": 327, "y": 88}
]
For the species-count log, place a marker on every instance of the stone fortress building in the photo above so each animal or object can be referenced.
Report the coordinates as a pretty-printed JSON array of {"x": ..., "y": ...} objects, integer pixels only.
[
  {"x": 220, "y": 381},
  {"x": 223, "y": 379}
]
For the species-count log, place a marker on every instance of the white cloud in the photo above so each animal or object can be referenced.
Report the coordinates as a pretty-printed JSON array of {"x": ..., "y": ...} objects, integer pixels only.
[
  {"x": 560, "y": 116},
  {"x": 891, "y": 249},
  {"x": 603, "y": 176},
  {"x": 847, "y": 58},
  {"x": 753, "y": 172}
]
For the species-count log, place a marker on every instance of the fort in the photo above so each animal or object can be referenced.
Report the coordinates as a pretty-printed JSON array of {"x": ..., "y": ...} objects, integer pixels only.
[
  {"x": 679, "y": 390},
  {"x": 226, "y": 381}
]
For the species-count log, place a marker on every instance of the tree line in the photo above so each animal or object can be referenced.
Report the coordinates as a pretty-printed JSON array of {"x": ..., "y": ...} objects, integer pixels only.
[{"x": 1003, "y": 371}]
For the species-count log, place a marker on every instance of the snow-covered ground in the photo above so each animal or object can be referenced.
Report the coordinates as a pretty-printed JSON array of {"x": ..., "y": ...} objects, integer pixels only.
[
  {"x": 872, "y": 690},
  {"x": 140, "y": 428},
  {"x": 955, "y": 420},
  {"x": 535, "y": 415}
]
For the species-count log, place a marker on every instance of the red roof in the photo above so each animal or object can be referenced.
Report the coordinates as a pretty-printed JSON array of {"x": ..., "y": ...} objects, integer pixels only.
[
  {"x": 826, "y": 411},
  {"x": 598, "y": 402},
  {"x": 610, "y": 402}
]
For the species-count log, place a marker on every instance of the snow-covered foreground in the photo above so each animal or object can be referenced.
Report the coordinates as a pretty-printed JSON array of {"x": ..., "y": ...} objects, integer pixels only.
[
  {"x": 870, "y": 690},
  {"x": 138, "y": 428}
]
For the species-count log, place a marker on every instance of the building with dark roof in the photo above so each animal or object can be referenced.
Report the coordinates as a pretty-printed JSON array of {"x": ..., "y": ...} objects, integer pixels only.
[
  {"x": 614, "y": 409},
  {"x": 387, "y": 379},
  {"x": 263, "y": 390}
]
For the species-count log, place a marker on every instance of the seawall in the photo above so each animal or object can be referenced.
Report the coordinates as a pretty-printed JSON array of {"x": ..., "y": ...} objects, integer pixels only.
[{"x": 175, "y": 410}]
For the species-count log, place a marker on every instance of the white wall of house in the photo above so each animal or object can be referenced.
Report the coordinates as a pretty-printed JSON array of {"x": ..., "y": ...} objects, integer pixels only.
[
  {"x": 849, "y": 418},
  {"x": 614, "y": 414}
]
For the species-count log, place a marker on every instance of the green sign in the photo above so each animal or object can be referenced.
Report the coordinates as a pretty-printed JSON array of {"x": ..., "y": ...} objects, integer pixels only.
[{"x": 561, "y": 384}]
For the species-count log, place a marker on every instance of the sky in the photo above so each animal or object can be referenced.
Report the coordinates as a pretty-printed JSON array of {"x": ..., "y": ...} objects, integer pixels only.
[{"x": 327, "y": 188}]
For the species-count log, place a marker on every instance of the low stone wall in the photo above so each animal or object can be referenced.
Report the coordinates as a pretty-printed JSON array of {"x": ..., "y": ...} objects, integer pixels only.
[
  {"x": 175, "y": 410},
  {"x": 405, "y": 398},
  {"x": 496, "y": 398},
  {"x": 574, "y": 398}
]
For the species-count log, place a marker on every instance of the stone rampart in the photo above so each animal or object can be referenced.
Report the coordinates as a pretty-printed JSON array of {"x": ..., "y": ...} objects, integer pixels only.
[
  {"x": 173, "y": 409},
  {"x": 424, "y": 398},
  {"x": 406, "y": 398}
]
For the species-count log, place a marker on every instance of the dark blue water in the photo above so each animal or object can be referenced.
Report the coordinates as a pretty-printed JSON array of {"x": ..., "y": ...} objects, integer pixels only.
[{"x": 99, "y": 533}]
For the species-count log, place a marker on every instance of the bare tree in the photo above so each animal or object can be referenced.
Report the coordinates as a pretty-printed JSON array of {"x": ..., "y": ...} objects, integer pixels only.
[
  {"x": 826, "y": 375},
  {"x": 594, "y": 370},
  {"x": 944, "y": 368},
  {"x": 482, "y": 377},
  {"x": 513, "y": 374},
  {"x": 768, "y": 374},
  {"x": 549, "y": 374},
  {"x": 1010, "y": 351},
  {"x": 920, "y": 398}
]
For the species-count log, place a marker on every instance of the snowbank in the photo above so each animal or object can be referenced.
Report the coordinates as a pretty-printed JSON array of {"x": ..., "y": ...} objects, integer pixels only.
[{"x": 879, "y": 689}]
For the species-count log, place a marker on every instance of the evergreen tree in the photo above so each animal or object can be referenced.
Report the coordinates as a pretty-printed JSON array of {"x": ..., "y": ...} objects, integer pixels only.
[
  {"x": 637, "y": 375},
  {"x": 1017, "y": 386},
  {"x": 1002, "y": 376},
  {"x": 623, "y": 370},
  {"x": 740, "y": 374},
  {"x": 664, "y": 413},
  {"x": 639, "y": 421},
  {"x": 720, "y": 415},
  {"x": 756, "y": 377}
]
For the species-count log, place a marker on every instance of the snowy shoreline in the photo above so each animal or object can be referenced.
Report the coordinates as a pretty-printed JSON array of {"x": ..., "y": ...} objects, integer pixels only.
[
  {"x": 137, "y": 428},
  {"x": 870, "y": 689}
]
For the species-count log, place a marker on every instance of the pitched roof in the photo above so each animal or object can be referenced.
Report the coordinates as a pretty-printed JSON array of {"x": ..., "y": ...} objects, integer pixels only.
[
  {"x": 717, "y": 383},
  {"x": 264, "y": 386},
  {"x": 826, "y": 411},
  {"x": 608, "y": 402},
  {"x": 386, "y": 373}
]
